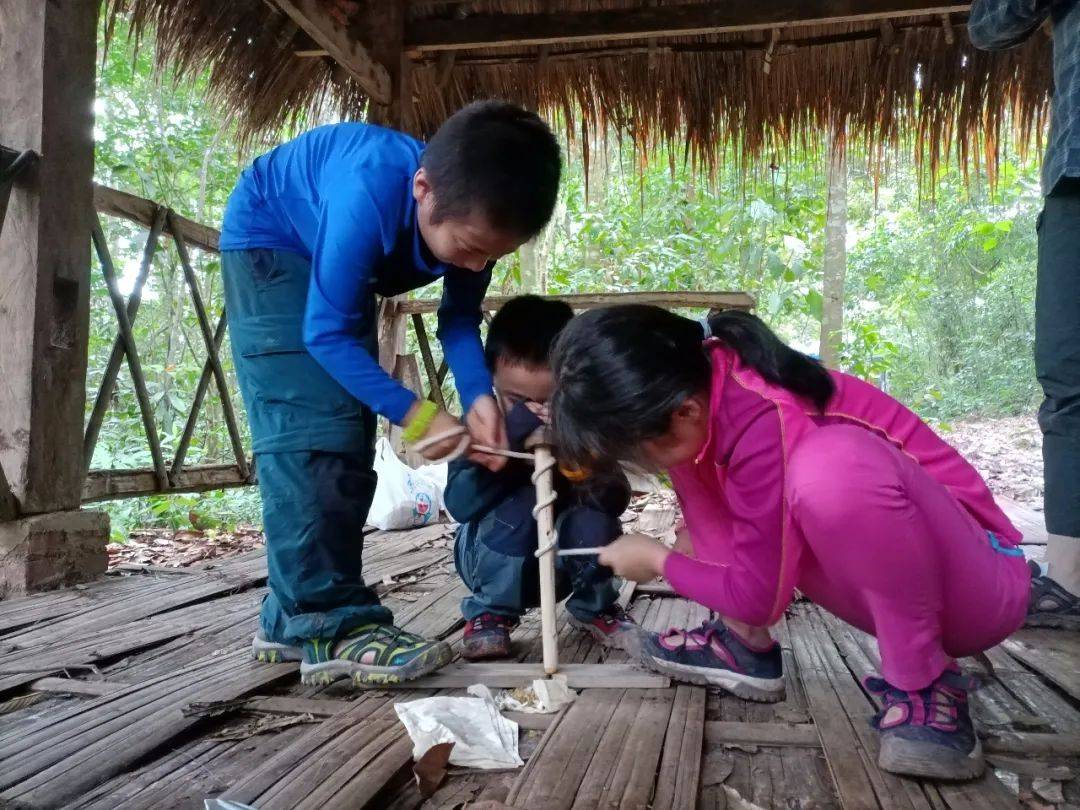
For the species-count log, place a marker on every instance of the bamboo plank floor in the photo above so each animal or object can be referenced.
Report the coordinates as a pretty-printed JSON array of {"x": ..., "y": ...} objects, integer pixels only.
[{"x": 143, "y": 648}]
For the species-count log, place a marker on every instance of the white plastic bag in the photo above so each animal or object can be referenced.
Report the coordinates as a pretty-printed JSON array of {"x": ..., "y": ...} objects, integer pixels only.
[
  {"x": 404, "y": 498},
  {"x": 482, "y": 737}
]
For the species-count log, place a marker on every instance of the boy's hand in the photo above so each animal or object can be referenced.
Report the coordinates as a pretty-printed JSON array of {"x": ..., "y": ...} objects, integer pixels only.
[
  {"x": 441, "y": 423},
  {"x": 635, "y": 556},
  {"x": 487, "y": 426}
]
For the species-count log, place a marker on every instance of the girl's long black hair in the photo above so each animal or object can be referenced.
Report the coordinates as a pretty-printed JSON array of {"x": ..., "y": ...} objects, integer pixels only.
[{"x": 622, "y": 371}]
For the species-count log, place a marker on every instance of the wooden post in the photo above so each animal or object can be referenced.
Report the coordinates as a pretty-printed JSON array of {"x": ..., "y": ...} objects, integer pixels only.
[
  {"x": 545, "y": 530},
  {"x": 47, "y": 67}
]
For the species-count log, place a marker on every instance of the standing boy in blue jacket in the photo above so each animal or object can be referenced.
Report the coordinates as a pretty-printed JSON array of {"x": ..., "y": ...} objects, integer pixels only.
[
  {"x": 495, "y": 544},
  {"x": 313, "y": 232}
]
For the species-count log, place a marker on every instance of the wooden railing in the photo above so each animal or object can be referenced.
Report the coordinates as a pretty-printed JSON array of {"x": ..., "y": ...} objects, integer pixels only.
[{"x": 395, "y": 315}]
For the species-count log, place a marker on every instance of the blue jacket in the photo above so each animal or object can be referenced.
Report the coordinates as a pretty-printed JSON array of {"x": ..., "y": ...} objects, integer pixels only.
[{"x": 341, "y": 196}]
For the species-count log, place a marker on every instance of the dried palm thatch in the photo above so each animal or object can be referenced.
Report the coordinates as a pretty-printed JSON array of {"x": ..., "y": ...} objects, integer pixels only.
[{"x": 914, "y": 80}]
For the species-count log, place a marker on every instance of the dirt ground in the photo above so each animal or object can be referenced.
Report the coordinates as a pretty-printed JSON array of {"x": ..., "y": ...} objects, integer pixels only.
[{"x": 1007, "y": 452}]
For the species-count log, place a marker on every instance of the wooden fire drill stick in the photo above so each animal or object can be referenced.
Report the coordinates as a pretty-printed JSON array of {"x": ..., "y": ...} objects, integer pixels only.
[{"x": 544, "y": 512}]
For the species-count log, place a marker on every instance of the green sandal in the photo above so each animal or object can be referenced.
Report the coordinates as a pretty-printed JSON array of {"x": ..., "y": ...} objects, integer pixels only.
[{"x": 372, "y": 655}]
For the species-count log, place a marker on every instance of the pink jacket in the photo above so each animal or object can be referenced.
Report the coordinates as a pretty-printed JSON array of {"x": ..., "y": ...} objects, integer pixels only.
[{"x": 746, "y": 545}]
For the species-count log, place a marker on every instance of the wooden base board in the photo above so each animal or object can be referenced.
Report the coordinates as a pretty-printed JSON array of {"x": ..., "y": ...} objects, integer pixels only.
[{"x": 512, "y": 676}]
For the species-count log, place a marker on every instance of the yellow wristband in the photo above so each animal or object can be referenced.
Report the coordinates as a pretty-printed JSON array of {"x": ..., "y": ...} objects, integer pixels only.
[{"x": 421, "y": 421}]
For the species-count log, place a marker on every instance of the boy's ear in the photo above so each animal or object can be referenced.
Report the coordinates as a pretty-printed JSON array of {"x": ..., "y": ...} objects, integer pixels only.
[{"x": 421, "y": 186}]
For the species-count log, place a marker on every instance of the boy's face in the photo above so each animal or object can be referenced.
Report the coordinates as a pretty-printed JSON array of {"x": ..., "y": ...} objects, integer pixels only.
[
  {"x": 468, "y": 242},
  {"x": 519, "y": 382}
]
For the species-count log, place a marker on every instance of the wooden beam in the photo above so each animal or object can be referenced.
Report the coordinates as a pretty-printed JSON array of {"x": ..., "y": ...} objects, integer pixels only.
[
  {"x": 506, "y": 30},
  {"x": 116, "y": 203},
  {"x": 74, "y": 686},
  {"x": 346, "y": 51},
  {"x": 672, "y": 300},
  {"x": 47, "y": 73},
  {"x": 730, "y": 732},
  {"x": 512, "y": 676},
  {"x": 104, "y": 485}
]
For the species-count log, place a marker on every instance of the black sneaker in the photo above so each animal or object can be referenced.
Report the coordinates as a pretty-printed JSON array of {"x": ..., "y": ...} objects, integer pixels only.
[
  {"x": 928, "y": 733},
  {"x": 1050, "y": 605},
  {"x": 712, "y": 655}
]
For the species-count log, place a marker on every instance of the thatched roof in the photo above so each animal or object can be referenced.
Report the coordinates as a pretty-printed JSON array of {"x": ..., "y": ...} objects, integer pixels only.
[{"x": 707, "y": 89}]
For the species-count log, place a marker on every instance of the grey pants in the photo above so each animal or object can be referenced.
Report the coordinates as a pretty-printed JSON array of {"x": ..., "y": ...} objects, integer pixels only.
[{"x": 1057, "y": 354}]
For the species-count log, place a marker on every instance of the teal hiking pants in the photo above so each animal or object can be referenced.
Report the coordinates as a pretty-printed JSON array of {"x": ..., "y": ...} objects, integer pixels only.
[{"x": 314, "y": 449}]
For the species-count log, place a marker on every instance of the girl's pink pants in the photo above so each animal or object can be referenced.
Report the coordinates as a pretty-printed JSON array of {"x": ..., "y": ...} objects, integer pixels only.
[{"x": 889, "y": 550}]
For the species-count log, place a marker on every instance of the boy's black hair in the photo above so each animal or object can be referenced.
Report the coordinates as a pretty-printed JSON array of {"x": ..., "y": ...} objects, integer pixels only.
[
  {"x": 498, "y": 159},
  {"x": 524, "y": 330}
]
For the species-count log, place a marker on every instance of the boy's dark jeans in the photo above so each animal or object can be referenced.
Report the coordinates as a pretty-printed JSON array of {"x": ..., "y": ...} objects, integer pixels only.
[
  {"x": 314, "y": 449},
  {"x": 1057, "y": 354},
  {"x": 495, "y": 558}
]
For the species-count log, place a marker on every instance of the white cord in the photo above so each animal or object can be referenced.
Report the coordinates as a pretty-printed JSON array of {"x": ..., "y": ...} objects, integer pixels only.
[
  {"x": 464, "y": 445},
  {"x": 539, "y": 471}
]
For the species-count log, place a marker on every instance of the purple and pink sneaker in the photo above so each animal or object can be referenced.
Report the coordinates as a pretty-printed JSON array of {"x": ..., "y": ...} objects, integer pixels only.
[
  {"x": 712, "y": 655},
  {"x": 928, "y": 733}
]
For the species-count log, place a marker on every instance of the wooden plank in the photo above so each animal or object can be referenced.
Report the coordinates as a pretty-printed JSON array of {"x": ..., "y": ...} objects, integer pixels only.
[
  {"x": 61, "y": 760},
  {"x": 47, "y": 62},
  {"x": 512, "y": 676},
  {"x": 1032, "y": 745},
  {"x": 73, "y": 686},
  {"x": 116, "y": 203},
  {"x": 726, "y": 732},
  {"x": 1026, "y": 519},
  {"x": 509, "y": 30},
  {"x": 848, "y": 761},
  {"x": 557, "y": 768},
  {"x": 105, "y": 485},
  {"x": 295, "y": 705},
  {"x": 1053, "y": 653},
  {"x": 690, "y": 300},
  {"x": 680, "y": 767},
  {"x": 292, "y": 777},
  {"x": 333, "y": 37},
  {"x": 197, "y": 401}
]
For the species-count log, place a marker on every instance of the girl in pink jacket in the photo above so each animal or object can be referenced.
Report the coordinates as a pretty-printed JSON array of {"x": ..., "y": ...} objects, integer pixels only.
[{"x": 794, "y": 477}]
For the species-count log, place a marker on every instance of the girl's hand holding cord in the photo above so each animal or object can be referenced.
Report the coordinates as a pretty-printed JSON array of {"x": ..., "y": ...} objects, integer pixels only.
[{"x": 635, "y": 556}]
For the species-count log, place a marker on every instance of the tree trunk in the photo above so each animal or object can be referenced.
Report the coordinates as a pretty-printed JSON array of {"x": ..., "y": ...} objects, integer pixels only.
[
  {"x": 528, "y": 260},
  {"x": 835, "y": 264}
]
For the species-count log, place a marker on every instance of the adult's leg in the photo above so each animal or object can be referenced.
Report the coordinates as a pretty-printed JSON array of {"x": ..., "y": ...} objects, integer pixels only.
[
  {"x": 892, "y": 552},
  {"x": 1057, "y": 364}
]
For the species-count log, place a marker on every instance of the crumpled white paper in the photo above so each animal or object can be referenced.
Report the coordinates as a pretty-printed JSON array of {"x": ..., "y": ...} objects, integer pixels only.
[
  {"x": 545, "y": 696},
  {"x": 482, "y": 737}
]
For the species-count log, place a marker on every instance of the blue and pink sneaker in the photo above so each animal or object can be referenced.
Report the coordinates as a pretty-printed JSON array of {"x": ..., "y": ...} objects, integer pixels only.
[
  {"x": 712, "y": 655},
  {"x": 928, "y": 733}
]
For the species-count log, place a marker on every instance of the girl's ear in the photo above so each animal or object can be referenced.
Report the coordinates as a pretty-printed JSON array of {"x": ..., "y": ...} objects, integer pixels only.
[{"x": 690, "y": 413}]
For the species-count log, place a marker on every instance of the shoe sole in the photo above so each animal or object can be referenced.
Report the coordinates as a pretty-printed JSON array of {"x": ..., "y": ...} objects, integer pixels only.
[
  {"x": 907, "y": 758},
  {"x": 367, "y": 675},
  {"x": 759, "y": 690},
  {"x": 270, "y": 652}
]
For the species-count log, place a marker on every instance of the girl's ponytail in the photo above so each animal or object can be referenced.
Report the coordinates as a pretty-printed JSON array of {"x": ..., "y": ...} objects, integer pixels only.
[
  {"x": 622, "y": 371},
  {"x": 760, "y": 348}
]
